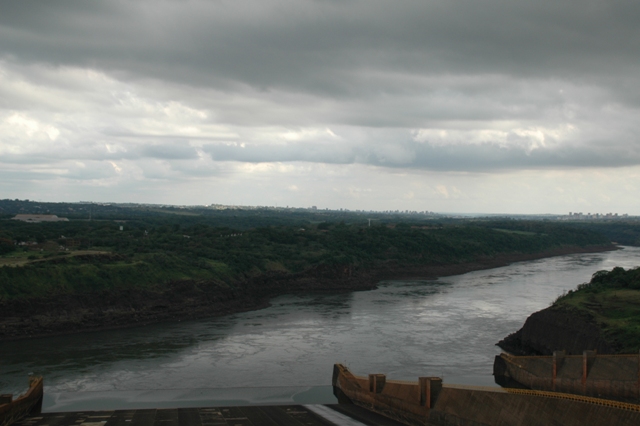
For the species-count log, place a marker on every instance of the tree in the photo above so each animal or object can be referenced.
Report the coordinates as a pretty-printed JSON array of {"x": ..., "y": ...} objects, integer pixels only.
[{"x": 6, "y": 246}]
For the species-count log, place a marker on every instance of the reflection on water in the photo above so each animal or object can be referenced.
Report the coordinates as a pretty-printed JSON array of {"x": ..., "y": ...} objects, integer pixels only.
[{"x": 406, "y": 329}]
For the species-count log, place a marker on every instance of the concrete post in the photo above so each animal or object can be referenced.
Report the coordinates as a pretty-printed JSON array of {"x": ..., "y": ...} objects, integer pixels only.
[
  {"x": 423, "y": 390},
  {"x": 584, "y": 372},
  {"x": 558, "y": 357},
  {"x": 429, "y": 388},
  {"x": 377, "y": 382},
  {"x": 588, "y": 358}
]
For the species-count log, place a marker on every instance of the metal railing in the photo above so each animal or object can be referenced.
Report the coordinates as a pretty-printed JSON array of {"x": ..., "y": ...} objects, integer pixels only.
[
  {"x": 513, "y": 357},
  {"x": 579, "y": 398}
]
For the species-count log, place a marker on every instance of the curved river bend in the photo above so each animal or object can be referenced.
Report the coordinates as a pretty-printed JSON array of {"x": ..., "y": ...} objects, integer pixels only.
[{"x": 284, "y": 353}]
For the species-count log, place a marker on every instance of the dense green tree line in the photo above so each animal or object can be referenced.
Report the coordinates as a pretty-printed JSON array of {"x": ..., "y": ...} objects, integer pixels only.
[
  {"x": 155, "y": 249},
  {"x": 622, "y": 232}
]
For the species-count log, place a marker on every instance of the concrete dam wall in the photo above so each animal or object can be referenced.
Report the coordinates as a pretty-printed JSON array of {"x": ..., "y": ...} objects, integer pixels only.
[{"x": 429, "y": 402}]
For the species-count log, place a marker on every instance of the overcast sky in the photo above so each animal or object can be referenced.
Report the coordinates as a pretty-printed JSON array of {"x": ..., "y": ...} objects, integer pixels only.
[{"x": 493, "y": 106}]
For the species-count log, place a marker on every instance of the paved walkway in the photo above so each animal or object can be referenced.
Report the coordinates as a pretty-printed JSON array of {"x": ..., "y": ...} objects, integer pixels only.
[{"x": 287, "y": 415}]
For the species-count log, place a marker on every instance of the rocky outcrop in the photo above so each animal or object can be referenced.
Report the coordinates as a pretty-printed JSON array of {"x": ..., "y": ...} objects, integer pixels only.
[{"x": 554, "y": 329}]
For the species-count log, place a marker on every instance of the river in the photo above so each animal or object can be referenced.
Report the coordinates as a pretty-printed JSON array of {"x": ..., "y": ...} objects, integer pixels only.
[{"x": 446, "y": 327}]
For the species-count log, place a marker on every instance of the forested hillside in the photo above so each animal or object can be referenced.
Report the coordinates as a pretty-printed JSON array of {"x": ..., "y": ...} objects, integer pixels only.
[{"x": 143, "y": 251}]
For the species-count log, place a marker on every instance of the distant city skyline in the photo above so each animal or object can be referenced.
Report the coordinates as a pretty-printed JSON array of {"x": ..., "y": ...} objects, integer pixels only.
[
  {"x": 425, "y": 213},
  {"x": 466, "y": 106}
]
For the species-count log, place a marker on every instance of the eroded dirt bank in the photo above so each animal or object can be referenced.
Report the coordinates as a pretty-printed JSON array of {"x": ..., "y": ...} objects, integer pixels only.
[{"x": 188, "y": 299}]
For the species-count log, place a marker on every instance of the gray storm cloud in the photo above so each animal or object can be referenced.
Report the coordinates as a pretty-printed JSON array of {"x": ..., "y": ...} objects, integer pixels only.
[
  {"x": 309, "y": 43},
  {"x": 475, "y": 158}
]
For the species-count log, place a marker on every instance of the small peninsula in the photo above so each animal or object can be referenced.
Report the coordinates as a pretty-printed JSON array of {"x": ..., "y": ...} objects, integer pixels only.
[{"x": 603, "y": 314}]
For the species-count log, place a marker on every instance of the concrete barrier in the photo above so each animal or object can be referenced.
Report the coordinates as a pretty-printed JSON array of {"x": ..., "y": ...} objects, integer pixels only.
[
  {"x": 12, "y": 410},
  {"x": 603, "y": 376},
  {"x": 429, "y": 402}
]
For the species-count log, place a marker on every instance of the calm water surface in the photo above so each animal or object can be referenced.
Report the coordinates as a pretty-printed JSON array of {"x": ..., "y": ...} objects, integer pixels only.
[{"x": 405, "y": 329}]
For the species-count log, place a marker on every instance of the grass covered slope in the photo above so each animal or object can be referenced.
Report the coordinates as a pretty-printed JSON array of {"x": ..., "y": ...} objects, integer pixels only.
[{"x": 612, "y": 301}]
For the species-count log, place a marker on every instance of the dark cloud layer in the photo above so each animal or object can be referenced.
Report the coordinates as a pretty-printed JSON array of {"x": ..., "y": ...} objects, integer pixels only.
[
  {"x": 115, "y": 92},
  {"x": 321, "y": 46}
]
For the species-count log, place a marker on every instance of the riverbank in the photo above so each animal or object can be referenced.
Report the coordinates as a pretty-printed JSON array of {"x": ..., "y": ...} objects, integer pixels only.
[
  {"x": 192, "y": 299},
  {"x": 601, "y": 315}
]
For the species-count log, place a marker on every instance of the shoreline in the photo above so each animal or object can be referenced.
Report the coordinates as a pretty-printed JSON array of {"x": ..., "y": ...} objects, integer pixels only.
[
  {"x": 191, "y": 300},
  {"x": 436, "y": 271}
]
